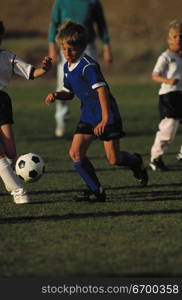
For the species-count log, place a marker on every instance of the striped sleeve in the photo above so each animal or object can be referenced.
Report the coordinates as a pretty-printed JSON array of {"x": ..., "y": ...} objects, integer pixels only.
[
  {"x": 93, "y": 76},
  {"x": 22, "y": 68}
]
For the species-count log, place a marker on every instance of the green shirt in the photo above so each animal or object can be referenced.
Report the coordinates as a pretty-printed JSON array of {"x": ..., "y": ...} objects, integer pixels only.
[{"x": 87, "y": 12}]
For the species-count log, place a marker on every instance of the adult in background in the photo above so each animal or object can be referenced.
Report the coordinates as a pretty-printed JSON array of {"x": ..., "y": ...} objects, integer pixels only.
[{"x": 89, "y": 13}]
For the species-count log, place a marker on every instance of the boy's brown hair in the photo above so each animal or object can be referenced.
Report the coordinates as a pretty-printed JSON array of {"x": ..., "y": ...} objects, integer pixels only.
[{"x": 74, "y": 34}]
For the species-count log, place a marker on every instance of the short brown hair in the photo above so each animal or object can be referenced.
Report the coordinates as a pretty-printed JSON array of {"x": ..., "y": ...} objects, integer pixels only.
[{"x": 75, "y": 34}]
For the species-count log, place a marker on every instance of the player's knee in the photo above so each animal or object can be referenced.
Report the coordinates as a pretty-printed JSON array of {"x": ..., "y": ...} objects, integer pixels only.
[
  {"x": 170, "y": 140},
  {"x": 167, "y": 139},
  {"x": 75, "y": 156},
  {"x": 112, "y": 161}
]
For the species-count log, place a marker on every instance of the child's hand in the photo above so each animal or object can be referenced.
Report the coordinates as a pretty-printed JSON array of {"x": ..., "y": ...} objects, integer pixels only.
[
  {"x": 50, "y": 98},
  {"x": 46, "y": 63},
  {"x": 99, "y": 129},
  {"x": 173, "y": 81}
]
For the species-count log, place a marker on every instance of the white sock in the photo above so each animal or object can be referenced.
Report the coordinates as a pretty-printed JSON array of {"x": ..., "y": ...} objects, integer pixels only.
[{"x": 10, "y": 179}]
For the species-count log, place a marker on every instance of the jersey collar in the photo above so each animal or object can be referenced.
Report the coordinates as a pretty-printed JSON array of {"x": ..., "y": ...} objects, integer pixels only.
[{"x": 73, "y": 66}]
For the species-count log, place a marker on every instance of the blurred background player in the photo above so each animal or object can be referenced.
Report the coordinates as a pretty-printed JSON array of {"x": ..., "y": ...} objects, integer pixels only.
[
  {"x": 87, "y": 12},
  {"x": 168, "y": 72},
  {"x": 10, "y": 64},
  {"x": 100, "y": 117}
]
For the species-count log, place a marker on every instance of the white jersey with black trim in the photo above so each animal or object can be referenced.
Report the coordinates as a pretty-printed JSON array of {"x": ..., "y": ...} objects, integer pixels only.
[
  {"x": 169, "y": 65},
  {"x": 10, "y": 64}
]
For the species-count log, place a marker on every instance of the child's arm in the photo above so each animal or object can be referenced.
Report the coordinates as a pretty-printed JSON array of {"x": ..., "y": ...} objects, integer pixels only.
[
  {"x": 107, "y": 54},
  {"x": 44, "y": 68},
  {"x": 53, "y": 53},
  {"x": 103, "y": 94},
  {"x": 62, "y": 95},
  {"x": 161, "y": 79}
]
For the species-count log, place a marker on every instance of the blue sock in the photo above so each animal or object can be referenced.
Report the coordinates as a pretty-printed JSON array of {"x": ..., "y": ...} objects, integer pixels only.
[
  {"x": 86, "y": 163},
  {"x": 87, "y": 172}
]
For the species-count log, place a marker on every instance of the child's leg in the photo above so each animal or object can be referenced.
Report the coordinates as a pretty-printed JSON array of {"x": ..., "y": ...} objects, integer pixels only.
[
  {"x": 8, "y": 152},
  {"x": 124, "y": 158},
  {"x": 11, "y": 181},
  {"x": 164, "y": 137},
  {"x": 117, "y": 157},
  {"x": 8, "y": 141},
  {"x": 62, "y": 107},
  {"x": 83, "y": 166}
]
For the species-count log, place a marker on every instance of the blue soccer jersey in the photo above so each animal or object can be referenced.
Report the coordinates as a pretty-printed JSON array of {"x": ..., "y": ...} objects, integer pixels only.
[{"x": 83, "y": 79}]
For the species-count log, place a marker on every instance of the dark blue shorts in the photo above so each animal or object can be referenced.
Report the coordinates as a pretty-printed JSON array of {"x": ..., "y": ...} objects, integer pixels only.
[
  {"x": 111, "y": 131},
  {"x": 6, "y": 113}
]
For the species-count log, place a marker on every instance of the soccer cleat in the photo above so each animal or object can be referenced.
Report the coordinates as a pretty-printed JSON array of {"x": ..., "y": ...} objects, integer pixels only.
[
  {"x": 90, "y": 196},
  {"x": 20, "y": 196},
  {"x": 140, "y": 172},
  {"x": 179, "y": 156},
  {"x": 157, "y": 164}
]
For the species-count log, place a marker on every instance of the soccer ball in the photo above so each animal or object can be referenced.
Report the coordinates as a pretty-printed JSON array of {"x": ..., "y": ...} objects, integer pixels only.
[{"x": 30, "y": 167}]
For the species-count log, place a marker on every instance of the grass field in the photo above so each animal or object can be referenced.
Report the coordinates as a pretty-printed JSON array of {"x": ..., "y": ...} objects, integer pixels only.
[{"x": 137, "y": 232}]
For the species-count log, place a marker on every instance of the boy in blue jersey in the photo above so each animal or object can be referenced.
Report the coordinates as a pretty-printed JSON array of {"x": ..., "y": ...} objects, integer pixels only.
[
  {"x": 100, "y": 117},
  {"x": 91, "y": 14}
]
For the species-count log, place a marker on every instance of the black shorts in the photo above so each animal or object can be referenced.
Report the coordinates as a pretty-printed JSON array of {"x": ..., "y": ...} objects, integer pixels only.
[
  {"x": 6, "y": 113},
  {"x": 111, "y": 131},
  {"x": 170, "y": 105}
]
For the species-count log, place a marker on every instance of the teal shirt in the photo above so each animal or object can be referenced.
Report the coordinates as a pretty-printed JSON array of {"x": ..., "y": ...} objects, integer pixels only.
[{"x": 87, "y": 12}]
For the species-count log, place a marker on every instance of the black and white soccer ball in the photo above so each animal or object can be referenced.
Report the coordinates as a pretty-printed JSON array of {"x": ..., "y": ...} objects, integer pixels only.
[{"x": 30, "y": 167}]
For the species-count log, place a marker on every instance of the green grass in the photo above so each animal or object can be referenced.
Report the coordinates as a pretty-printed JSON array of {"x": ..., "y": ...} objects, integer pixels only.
[{"x": 137, "y": 232}]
